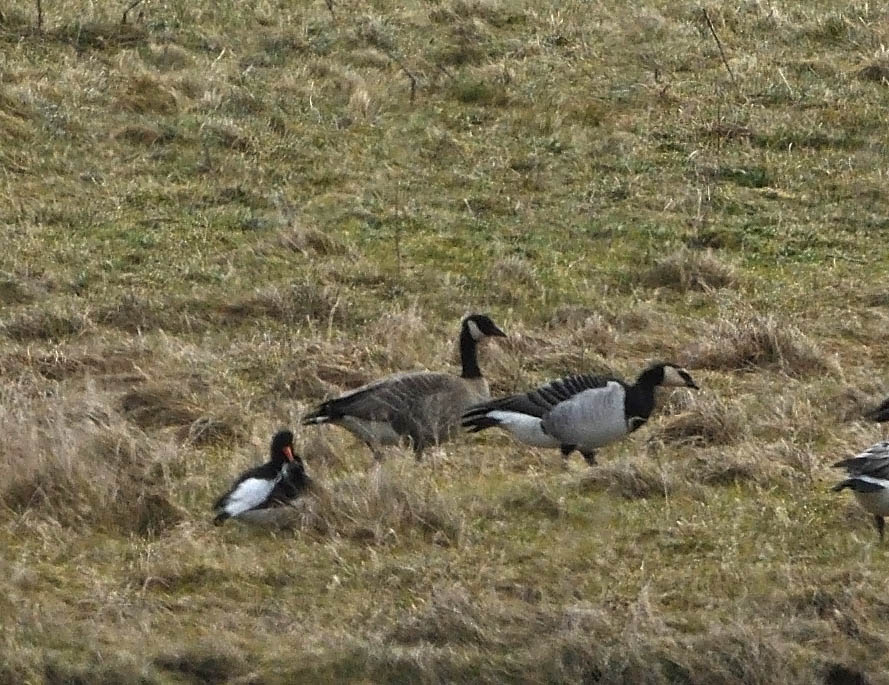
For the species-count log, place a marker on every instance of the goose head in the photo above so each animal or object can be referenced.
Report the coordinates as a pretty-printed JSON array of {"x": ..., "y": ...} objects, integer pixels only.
[
  {"x": 667, "y": 375},
  {"x": 281, "y": 448},
  {"x": 480, "y": 326}
]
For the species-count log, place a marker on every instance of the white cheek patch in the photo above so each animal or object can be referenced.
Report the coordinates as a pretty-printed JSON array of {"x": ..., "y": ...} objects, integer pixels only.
[
  {"x": 672, "y": 377},
  {"x": 474, "y": 330}
]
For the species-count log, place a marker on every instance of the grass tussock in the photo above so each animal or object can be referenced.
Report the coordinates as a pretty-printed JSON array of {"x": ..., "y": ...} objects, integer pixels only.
[
  {"x": 638, "y": 479},
  {"x": 759, "y": 341},
  {"x": 83, "y": 472},
  {"x": 708, "y": 420},
  {"x": 302, "y": 302},
  {"x": 311, "y": 241},
  {"x": 450, "y": 617},
  {"x": 159, "y": 405},
  {"x": 687, "y": 269},
  {"x": 43, "y": 324},
  {"x": 380, "y": 507}
]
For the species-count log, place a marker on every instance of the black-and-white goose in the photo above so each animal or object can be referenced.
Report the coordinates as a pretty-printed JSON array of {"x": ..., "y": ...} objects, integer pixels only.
[
  {"x": 423, "y": 407},
  {"x": 582, "y": 412},
  {"x": 869, "y": 481},
  {"x": 275, "y": 483}
]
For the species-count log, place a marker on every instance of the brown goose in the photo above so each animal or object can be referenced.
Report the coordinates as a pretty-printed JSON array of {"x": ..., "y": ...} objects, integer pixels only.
[{"x": 423, "y": 408}]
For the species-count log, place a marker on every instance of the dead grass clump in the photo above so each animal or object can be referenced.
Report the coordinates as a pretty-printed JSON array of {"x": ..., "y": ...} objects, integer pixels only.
[
  {"x": 759, "y": 341},
  {"x": 878, "y": 72},
  {"x": 14, "y": 291},
  {"x": 739, "y": 654},
  {"x": 158, "y": 406},
  {"x": 311, "y": 241},
  {"x": 450, "y": 617},
  {"x": 305, "y": 301},
  {"x": 708, "y": 420},
  {"x": 41, "y": 324},
  {"x": 100, "y": 35},
  {"x": 379, "y": 507},
  {"x": 751, "y": 465},
  {"x": 400, "y": 339},
  {"x": 532, "y": 498},
  {"x": 628, "y": 479},
  {"x": 64, "y": 363},
  {"x": 82, "y": 472},
  {"x": 144, "y": 134},
  {"x": 146, "y": 94},
  {"x": 226, "y": 134},
  {"x": 514, "y": 278},
  {"x": 167, "y": 57},
  {"x": 201, "y": 665},
  {"x": 216, "y": 430},
  {"x": 137, "y": 313},
  {"x": 688, "y": 269}
]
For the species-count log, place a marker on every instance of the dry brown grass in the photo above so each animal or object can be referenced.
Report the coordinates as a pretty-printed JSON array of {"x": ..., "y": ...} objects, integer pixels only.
[
  {"x": 637, "y": 479},
  {"x": 91, "y": 469},
  {"x": 220, "y": 213},
  {"x": 707, "y": 420},
  {"x": 751, "y": 341},
  {"x": 688, "y": 269},
  {"x": 378, "y": 508}
]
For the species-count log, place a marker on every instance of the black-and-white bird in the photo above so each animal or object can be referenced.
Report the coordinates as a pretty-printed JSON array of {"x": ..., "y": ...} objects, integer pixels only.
[
  {"x": 868, "y": 479},
  {"x": 273, "y": 484},
  {"x": 582, "y": 412},
  {"x": 881, "y": 413},
  {"x": 423, "y": 407}
]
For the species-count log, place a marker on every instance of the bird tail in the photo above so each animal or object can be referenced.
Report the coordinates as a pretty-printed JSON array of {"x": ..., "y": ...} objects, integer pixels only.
[
  {"x": 477, "y": 419},
  {"x": 862, "y": 484}
]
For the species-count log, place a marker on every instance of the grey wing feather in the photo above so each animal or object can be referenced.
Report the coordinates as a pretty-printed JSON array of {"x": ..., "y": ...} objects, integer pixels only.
[
  {"x": 394, "y": 396},
  {"x": 874, "y": 461},
  {"x": 541, "y": 400}
]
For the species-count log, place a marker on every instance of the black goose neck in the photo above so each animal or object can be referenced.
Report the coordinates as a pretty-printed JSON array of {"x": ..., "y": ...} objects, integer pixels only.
[
  {"x": 469, "y": 355},
  {"x": 650, "y": 378}
]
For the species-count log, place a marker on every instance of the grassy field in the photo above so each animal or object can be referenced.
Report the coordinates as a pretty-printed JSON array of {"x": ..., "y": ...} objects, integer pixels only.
[{"x": 220, "y": 213}]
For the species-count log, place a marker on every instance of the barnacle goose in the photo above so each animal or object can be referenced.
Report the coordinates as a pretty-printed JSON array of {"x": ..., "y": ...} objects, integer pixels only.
[
  {"x": 275, "y": 483},
  {"x": 582, "y": 412},
  {"x": 423, "y": 407},
  {"x": 869, "y": 481}
]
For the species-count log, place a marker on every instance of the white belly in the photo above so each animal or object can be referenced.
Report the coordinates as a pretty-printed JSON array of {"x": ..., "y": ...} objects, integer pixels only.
[{"x": 526, "y": 429}]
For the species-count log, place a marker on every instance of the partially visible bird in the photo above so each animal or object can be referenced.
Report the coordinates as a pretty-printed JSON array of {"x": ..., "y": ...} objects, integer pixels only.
[
  {"x": 881, "y": 413},
  {"x": 273, "y": 484},
  {"x": 422, "y": 407},
  {"x": 869, "y": 481},
  {"x": 582, "y": 412}
]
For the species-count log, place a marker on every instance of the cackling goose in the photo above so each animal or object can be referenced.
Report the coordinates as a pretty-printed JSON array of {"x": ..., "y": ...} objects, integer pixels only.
[{"x": 423, "y": 407}]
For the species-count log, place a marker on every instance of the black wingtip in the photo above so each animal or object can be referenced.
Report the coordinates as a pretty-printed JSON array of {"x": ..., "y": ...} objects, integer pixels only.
[
  {"x": 479, "y": 422},
  {"x": 220, "y": 519}
]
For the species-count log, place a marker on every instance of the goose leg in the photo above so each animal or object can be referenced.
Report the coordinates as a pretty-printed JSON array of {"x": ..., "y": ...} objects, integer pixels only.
[
  {"x": 566, "y": 450},
  {"x": 374, "y": 448},
  {"x": 878, "y": 522},
  {"x": 590, "y": 457}
]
